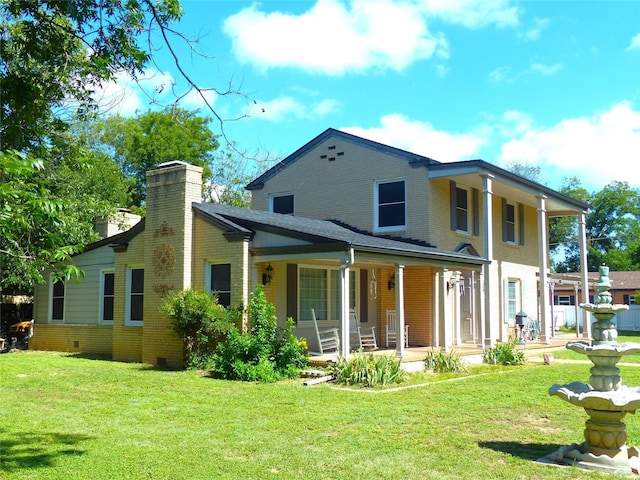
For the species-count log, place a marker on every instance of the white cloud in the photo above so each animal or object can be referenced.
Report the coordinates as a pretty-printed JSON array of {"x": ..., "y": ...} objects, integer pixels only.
[
  {"x": 194, "y": 100},
  {"x": 475, "y": 13},
  {"x": 286, "y": 107},
  {"x": 545, "y": 69},
  {"x": 596, "y": 149},
  {"x": 334, "y": 36},
  {"x": 533, "y": 33},
  {"x": 126, "y": 96},
  {"x": 422, "y": 138},
  {"x": 635, "y": 43},
  {"x": 501, "y": 75}
]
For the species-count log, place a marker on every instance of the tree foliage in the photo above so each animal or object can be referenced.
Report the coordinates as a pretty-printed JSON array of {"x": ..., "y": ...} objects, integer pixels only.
[
  {"x": 612, "y": 228},
  {"x": 200, "y": 321},
  {"x": 54, "y": 57},
  {"x": 142, "y": 143},
  {"x": 32, "y": 222},
  {"x": 264, "y": 353}
]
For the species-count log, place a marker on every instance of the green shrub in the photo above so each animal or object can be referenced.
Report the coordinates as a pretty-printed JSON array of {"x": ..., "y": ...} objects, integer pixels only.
[
  {"x": 367, "y": 370},
  {"x": 265, "y": 353},
  {"x": 198, "y": 318},
  {"x": 443, "y": 362},
  {"x": 504, "y": 353}
]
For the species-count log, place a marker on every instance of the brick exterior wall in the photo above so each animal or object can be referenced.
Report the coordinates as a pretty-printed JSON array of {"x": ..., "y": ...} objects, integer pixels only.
[
  {"x": 168, "y": 237},
  {"x": 72, "y": 338}
]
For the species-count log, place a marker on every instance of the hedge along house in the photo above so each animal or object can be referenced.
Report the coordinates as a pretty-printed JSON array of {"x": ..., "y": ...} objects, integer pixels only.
[
  {"x": 113, "y": 310},
  {"x": 468, "y": 207}
]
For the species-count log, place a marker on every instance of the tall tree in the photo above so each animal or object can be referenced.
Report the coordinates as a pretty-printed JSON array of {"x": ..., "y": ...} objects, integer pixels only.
[
  {"x": 142, "y": 143},
  {"x": 612, "y": 225},
  {"x": 54, "y": 55}
]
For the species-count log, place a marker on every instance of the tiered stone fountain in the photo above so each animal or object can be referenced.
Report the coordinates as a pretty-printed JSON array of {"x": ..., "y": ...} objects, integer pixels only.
[{"x": 604, "y": 399}]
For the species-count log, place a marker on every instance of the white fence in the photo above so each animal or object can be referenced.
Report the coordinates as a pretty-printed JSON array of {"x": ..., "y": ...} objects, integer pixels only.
[{"x": 565, "y": 315}]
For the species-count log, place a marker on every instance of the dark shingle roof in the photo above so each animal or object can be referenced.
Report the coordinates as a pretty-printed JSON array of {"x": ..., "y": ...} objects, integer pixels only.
[{"x": 323, "y": 231}]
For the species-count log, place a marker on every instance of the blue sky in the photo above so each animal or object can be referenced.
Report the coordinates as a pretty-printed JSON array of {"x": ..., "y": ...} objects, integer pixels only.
[{"x": 551, "y": 83}]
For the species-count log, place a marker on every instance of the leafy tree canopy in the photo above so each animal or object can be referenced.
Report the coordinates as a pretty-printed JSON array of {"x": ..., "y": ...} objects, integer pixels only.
[{"x": 54, "y": 56}]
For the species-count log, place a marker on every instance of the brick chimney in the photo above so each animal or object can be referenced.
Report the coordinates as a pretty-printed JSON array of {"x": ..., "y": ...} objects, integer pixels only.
[{"x": 171, "y": 190}]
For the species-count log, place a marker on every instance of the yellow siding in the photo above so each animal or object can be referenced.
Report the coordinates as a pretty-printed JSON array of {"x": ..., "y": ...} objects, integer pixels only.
[
  {"x": 210, "y": 246},
  {"x": 127, "y": 341},
  {"x": 349, "y": 194}
]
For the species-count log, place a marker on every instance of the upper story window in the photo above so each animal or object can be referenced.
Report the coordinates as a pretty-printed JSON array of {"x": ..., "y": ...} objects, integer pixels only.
[
  {"x": 282, "y": 204},
  {"x": 465, "y": 217},
  {"x": 135, "y": 296},
  {"x": 512, "y": 222},
  {"x": 462, "y": 210},
  {"x": 57, "y": 301},
  {"x": 390, "y": 205},
  {"x": 220, "y": 282},
  {"x": 107, "y": 297}
]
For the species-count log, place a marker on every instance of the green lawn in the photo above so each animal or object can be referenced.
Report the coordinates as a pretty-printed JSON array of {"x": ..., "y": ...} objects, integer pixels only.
[{"x": 67, "y": 417}]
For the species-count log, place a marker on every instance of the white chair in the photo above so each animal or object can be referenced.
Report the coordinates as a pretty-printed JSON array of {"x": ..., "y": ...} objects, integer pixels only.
[
  {"x": 328, "y": 339},
  {"x": 392, "y": 338},
  {"x": 366, "y": 336}
]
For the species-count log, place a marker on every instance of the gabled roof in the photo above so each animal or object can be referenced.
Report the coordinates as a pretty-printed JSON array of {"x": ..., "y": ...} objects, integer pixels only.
[
  {"x": 121, "y": 239},
  {"x": 479, "y": 166},
  {"x": 326, "y": 232},
  {"x": 557, "y": 203},
  {"x": 412, "y": 158}
]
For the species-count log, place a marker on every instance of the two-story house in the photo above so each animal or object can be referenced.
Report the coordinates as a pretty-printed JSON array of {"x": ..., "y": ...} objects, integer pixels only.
[{"x": 342, "y": 229}]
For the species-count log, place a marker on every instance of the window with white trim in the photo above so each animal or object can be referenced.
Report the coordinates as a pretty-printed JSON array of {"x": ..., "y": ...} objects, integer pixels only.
[
  {"x": 57, "y": 301},
  {"x": 319, "y": 288},
  {"x": 282, "y": 204},
  {"x": 107, "y": 284},
  {"x": 390, "y": 204},
  {"x": 219, "y": 280},
  {"x": 135, "y": 297},
  {"x": 512, "y": 300}
]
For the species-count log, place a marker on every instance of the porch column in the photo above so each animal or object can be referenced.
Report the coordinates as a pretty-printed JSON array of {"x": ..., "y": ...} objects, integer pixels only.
[
  {"x": 584, "y": 270},
  {"x": 543, "y": 260},
  {"x": 489, "y": 337},
  {"x": 345, "y": 334},
  {"x": 437, "y": 309},
  {"x": 445, "y": 313},
  {"x": 400, "y": 311}
]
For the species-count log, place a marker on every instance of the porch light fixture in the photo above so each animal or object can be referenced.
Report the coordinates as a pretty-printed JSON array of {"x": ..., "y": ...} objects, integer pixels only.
[
  {"x": 392, "y": 282},
  {"x": 267, "y": 276}
]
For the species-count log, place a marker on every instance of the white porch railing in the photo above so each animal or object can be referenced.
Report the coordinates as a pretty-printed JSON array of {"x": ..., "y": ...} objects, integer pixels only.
[{"x": 565, "y": 315}]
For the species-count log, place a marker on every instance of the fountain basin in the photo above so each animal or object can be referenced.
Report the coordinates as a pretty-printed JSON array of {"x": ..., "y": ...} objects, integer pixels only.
[
  {"x": 608, "y": 350},
  {"x": 625, "y": 399}
]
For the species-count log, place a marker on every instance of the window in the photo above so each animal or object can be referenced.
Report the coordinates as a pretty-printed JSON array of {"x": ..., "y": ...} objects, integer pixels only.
[
  {"x": 57, "y": 301},
  {"x": 319, "y": 289},
  {"x": 629, "y": 299},
  {"x": 135, "y": 297},
  {"x": 565, "y": 300},
  {"x": 107, "y": 296},
  {"x": 282, "y": 204},
  {"x": 462, "y": 210},
  {"x": 390, "y": 205},
  {"x": 510, "y": 223},
  {"x": 220, "y": 282},
  {"x": 512, "y": 300}
]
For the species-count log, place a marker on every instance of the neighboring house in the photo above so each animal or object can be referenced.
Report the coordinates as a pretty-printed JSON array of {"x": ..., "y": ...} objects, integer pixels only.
[
  {"x": 567, "y": 289},
  {"x": 342, "y": 225}
]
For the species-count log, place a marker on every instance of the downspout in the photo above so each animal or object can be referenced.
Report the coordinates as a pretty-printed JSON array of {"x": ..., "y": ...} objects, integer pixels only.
[{"x": 345, "y": 264}]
